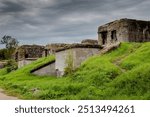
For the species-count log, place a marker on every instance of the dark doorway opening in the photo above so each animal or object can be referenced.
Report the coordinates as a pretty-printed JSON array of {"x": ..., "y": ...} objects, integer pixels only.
[
  {"x": 104, "y": 37},
  {"x": 147, "y": 35},
  {"x": 26, "y": 55},
  {"x": 114, "y": 35},
  {"x": 46, "y": 52},
  {"x": 16, "y": 56}
]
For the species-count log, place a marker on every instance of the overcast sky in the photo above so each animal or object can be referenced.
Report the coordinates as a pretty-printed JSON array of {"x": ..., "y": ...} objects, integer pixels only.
[{"x": 50, "y": 21}]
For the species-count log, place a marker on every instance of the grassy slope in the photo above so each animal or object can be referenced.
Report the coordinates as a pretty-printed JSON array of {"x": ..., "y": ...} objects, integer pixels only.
[
  {"x": 121, "y": 74},
  {"x": 3, "y": 71}
]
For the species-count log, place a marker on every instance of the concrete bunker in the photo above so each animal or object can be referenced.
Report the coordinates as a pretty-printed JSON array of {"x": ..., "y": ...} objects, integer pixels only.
[
  {"x": 124, "y": 30},
  {"x": 79, "y": 52},
  {"x": 26, "y": 54}
]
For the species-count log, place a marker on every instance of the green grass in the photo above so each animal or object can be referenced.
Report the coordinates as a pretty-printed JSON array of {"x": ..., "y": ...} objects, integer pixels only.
[
  {"x": 3, "y": 71},
  {"x": 120, "y": 74}
]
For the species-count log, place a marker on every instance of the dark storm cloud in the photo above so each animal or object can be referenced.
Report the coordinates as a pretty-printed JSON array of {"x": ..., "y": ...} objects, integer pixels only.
[
  {"x": 46, "y": 21},
  {"x": 9, "y": 6}
]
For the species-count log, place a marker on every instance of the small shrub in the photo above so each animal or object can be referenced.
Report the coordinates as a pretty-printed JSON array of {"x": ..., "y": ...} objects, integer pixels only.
[
  {"x": 69, "y": 63},
  {"x": 11, "y": 66}
]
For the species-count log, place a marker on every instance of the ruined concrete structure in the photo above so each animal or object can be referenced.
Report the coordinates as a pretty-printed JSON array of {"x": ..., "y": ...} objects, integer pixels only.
[
  {"x": 78, "y": 53},
  {"x": 109, "y": 37},
  {"x": 124, "y": 30},
  {"x": 27, "y": 53}
]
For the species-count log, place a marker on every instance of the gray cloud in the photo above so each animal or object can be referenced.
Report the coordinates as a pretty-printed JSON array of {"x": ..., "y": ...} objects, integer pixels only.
[
  {"x": 46, "y": 21},
  {"x": 9, "y": 6}
]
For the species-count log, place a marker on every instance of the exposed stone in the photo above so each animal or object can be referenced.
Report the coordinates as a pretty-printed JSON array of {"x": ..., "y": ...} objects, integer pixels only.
[
  {"x": 89, "y": 41},
  {"x": 35, "y": 91},
  {"x": 124, "y": 30},
  {"x": 109, "y": 48},
  {"x": 29, "y": 51},
  {"x": 52, "y": 48},
  {"x": 77, "y": 45}
]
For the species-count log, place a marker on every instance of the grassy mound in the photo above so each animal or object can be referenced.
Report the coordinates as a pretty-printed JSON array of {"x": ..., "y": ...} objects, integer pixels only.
[{"x": 120, "y": 74}]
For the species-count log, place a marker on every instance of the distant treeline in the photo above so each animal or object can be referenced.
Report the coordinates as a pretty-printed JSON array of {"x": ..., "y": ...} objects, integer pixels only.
[
  {"x": 6, "y": 54},
  {"x": 10, "y": 45}
]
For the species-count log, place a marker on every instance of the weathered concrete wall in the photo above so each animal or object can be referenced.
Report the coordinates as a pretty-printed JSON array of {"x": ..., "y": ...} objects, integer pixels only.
[
  {"x": 48, "y": 70},
  {"x": 139, "y": 31},
  {"x": 24, "y": 62},
  {"x": 29, "y": 51},
  {"x": 113, "y": 32},
  {"x": 124, "y": 30},
  {"x": 78, "y": 55},
  {"x": 82, "y": 54},
  {"x": 61, "y": 61}
]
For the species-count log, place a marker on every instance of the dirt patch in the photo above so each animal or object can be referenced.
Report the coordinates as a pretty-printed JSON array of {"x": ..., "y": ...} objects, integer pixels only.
[{"x": 3, "y": 96}]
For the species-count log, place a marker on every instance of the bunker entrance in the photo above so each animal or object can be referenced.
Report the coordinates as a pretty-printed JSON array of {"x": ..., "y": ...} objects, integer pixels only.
[
  {"x": 104, "y": 37},
  {"x": 147, "y": 35},
  {"x": 26, "y": 55},
  {"x": 114, "y": 35}
]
